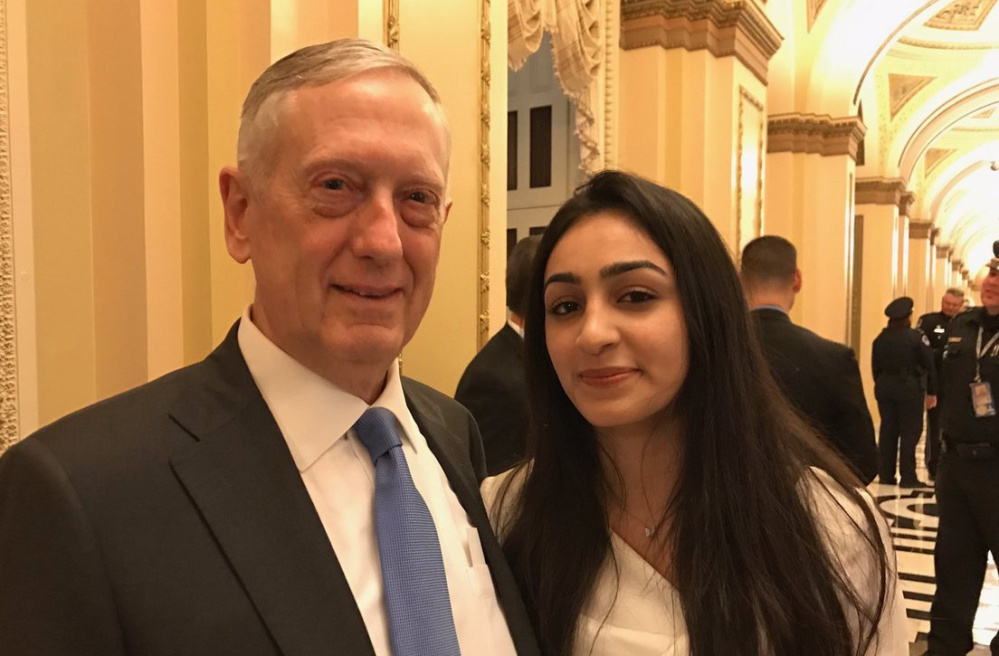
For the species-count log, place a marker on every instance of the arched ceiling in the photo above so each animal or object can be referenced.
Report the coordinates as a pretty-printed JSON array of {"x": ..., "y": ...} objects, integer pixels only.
[{"x": 931, "y": 101}]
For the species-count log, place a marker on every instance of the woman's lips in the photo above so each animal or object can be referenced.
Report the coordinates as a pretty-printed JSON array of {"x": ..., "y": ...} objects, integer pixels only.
[{"x": 606, "y": 376}]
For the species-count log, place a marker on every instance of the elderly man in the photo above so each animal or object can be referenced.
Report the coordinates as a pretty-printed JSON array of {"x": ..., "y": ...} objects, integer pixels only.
[
  {"x": 291, "y": 494},
  {"x": 934, "y": 326}
]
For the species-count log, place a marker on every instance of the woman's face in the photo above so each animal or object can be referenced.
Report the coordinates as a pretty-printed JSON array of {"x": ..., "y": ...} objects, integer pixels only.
[{"x": 614, "y": 325}]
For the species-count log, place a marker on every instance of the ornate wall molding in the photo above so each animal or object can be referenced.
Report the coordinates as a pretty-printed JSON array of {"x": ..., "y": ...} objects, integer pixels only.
[
  {"x": 905, "y": 203},
  {"x": 880, "y": 191},
  {"x": 612, "y": 46},
  {"x": 814, "y": 134},
  {"x": 920, "y": 229},
  {"x": 814, "y": 7},
  {"x": 391, "y": 9},
  {"x": 738, "y": 28},
  {"x": 746, "y": 98},
  {"x": 962, "y": 15},
  {"x": 8, "y": 330},
  {"x": 485, "y": 84},
  {"x": 936, "y": 45}
]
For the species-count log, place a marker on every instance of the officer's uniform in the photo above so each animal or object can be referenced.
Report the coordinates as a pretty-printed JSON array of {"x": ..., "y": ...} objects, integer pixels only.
[
  {"x": 967, "y": 484},
  {"x": 903, "y": 375},
  {"x": 934, "y": 325}
]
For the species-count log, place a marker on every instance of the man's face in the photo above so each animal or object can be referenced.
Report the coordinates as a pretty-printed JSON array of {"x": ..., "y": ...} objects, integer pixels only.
[
  {"x": 344, "y": 227},
  {"x": 951, "y": 304},
  {"x": 990, "y": 291}
]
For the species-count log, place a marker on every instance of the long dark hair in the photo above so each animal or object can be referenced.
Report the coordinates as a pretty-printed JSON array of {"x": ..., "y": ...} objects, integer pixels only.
[{"x": 749, "y": 561}]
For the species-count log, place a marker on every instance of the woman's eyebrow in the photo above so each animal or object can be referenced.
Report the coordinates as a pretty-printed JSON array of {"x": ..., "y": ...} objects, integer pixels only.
[
  {"x": 617, "y": 268},
  {"x": 570, "y": 278}
]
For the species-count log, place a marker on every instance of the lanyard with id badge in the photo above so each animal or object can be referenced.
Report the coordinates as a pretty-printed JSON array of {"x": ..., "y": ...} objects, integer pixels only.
[{"x": 981, "y": 391}]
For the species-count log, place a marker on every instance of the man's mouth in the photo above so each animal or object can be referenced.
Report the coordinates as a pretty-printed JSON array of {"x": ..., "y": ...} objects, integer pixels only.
[{"x": 366, "y": 292}]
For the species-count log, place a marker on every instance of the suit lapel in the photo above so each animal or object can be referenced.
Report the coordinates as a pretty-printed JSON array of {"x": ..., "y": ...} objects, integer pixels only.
[
  {"x": 241, "y": 476},
  {"x": 454, "y": 460}
]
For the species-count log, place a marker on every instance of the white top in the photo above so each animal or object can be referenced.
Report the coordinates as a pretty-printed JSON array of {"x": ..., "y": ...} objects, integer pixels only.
[
  {"x": 645, "y": 618},
  {"x": 315, "y": 418}
]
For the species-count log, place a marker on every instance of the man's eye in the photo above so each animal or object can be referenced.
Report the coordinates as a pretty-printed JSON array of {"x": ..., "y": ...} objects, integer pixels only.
[
  {"x": 334, "y": 184},
  {"x": 421, "y": 197}
]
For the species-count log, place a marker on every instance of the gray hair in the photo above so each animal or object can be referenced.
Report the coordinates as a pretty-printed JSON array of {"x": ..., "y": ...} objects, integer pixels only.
[{"x": 315, "y": 65}]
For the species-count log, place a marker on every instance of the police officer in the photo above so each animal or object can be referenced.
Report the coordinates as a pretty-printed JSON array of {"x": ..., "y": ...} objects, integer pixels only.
[
  {"x": 933, "y": 325},
  {"x": 904, "y": 382},
  {"x": 968, "y": 473}
]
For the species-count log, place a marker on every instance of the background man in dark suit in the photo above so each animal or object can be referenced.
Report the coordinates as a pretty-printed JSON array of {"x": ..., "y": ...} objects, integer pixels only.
[
  {"x": 934, "y": 326},
  {"x": 820, "y": 377},
  {"x": 228, "y": 508},
  {"x": 492, "y": 387}
]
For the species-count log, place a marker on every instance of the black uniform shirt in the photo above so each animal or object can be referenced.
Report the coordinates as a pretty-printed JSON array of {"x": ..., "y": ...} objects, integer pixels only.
[
  {"x": 934, "y": 325},
  {"x": 959, "y": 421},
  {"x": 902, "y": 363}
]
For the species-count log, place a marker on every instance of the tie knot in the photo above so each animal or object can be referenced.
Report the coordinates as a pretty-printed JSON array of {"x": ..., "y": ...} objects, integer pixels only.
[{"x": 376, "y": 430}]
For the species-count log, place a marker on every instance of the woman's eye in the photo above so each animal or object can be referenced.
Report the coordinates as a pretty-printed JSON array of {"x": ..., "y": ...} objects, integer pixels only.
[
  {"x": 334, "y": 184},
  {"x": 562, "y": 308},
  {"x": 637, "y": 296}
]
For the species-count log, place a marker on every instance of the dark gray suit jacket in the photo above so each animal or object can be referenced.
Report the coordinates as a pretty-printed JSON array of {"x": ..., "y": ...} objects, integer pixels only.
[
  {"x": 495, "y": 392},
  {"x": 171, "y": 520},
  {"x": 821, "y": 378}
]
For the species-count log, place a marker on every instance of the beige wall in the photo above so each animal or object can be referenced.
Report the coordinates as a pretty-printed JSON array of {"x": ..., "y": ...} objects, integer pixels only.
[
  {"x": 125, "y": 137},
  {"x": 702, "y": 113}
]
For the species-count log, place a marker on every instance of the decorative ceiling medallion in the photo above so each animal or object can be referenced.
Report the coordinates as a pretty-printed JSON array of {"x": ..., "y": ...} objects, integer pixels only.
[
  {"x": 936, "y": 155},
  {"x": 985, "y": 114},
  {"x": 814, "y": 7},
  {"x": 902, "y": 88},
  {"x": 966, "y": 15}
]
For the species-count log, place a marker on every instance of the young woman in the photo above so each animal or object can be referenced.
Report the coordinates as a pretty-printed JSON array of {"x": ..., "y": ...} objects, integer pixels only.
[{"x": 669, "y": 505}]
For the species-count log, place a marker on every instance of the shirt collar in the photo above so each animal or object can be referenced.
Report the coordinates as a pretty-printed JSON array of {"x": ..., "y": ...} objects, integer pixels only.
[
  {"x": 771, "y": 307},
  {"x": 313, "y": 413},
  {"x": 517, "y": 329}
]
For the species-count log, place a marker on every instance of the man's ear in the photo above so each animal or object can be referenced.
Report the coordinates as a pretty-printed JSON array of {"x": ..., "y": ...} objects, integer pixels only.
[
  {"x": 797, "y": 281},
  {"x": 233, "y": 186},
  {"x": 447, "y": 209}
]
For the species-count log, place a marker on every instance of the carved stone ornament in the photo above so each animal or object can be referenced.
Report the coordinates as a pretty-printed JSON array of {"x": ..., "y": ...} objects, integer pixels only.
[
  {"x": 943, "y": 250},
  {"x": 814, "y": 134},
  {"x": 485, "y": 75},
  {"x": 879, "y": 191},
  {"x": 903, "y": 88},
  {"x": 8, "y": 344},
  {"x": 963, "y": 15},
  {"x": 392, "y": 24},
  {"x": 936, "y": 155},
  {"x": 814, "y": 7},
  {"x": 920, "y": 229},
  {"x": 738, "y": 28}
]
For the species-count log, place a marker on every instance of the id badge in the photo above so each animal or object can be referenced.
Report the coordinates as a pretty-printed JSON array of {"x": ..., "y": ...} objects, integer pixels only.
[{"x": 981, "y": 399}]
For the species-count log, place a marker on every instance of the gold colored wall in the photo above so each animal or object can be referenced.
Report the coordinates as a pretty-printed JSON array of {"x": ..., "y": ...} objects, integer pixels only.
[{"x": 126, "y": 136}]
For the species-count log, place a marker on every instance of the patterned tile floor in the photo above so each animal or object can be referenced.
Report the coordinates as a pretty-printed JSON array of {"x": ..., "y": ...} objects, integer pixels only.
[{"x": 912, "y": 515}]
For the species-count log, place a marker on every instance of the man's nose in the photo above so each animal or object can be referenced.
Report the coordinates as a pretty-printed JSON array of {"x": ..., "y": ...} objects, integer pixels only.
[{"x": 376, "y": 230}]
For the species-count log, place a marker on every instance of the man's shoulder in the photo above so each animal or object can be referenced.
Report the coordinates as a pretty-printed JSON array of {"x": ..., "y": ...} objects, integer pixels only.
[
  {"x": 130, "y": 411},
  {"x": 428, "y": 399},
  {"x": 816, "y": 341}
]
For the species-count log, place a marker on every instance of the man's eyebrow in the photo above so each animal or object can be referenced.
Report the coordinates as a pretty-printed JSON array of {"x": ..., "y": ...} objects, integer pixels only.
[{"x": 617, "y": 268}]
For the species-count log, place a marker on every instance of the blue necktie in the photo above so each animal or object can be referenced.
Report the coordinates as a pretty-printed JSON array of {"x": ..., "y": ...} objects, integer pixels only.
[{"x": 416, "y": 596}]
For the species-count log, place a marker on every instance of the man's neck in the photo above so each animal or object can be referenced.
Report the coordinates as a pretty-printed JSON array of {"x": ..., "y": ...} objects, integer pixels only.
[{"x": 782, "y": 299}]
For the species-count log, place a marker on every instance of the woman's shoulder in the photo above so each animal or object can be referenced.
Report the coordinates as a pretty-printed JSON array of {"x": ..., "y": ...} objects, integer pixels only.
[{"x": 501, "y": 495}]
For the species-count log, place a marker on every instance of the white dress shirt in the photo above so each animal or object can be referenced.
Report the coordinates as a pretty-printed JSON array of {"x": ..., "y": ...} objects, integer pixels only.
[{"x": 315, "y": 418}]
